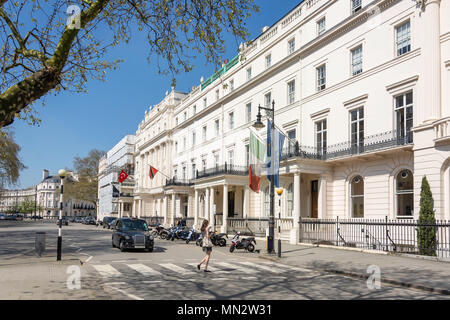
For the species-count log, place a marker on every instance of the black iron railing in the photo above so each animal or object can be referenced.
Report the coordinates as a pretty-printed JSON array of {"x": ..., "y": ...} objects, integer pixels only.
[
  {"x": 385, "y": 140},
  {"x": 250, "y": 226},
  {"x": 178, "y": 182},
  {"x": 230, "y": 169},
  {"x": 151, "y": 221},
  {"x": 403, "y": 236}
]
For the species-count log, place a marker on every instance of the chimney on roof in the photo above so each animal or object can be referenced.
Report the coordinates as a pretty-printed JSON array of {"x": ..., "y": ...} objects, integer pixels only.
[{"x": 44, "y": 174}]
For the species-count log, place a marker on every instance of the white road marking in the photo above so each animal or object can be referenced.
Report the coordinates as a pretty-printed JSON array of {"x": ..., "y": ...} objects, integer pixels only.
[
  {"x": 236, "y": 267},
  {"x": 152, "y": 281},
  {"x": 248, "y": 278},
  {"x": 106, "y": 270},
  {"x": 212, "y": 269},
  {"x": 143, "y": 269},
  {"x": 220, "y": 279},
  {"x": 88, "y": 259},
  {"x": 132, "y": 296},
  {"x": 262, "y": 267},
  {"x": 175, "y": 268},
  {"x": 275, "y": 265}
]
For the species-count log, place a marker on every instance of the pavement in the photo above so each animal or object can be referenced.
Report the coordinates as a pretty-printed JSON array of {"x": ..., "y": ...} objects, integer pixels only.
[{"x": 411, "y": 272}]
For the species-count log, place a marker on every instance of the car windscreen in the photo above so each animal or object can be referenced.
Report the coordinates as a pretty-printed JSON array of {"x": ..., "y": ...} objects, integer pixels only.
[{"x": 135, "y": 225}]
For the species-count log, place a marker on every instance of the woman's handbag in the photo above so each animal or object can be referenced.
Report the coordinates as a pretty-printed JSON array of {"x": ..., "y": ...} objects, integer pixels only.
[{"x": 207, "y": 243}]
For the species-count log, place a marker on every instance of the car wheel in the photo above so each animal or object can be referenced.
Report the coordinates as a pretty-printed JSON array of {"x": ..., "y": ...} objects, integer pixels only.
[
  {"x": 251, "y": 248},
  {"x": 122, "y": 246}
]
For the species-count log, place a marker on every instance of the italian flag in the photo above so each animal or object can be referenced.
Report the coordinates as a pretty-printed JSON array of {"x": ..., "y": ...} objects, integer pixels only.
[{"x": 257, "y": 151}]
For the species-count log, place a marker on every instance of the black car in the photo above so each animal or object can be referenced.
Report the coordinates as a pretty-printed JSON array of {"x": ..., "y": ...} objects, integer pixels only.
[
  {"x": 90, "y": 220},
  {"x": 106, "y": 221},
  {"x": 112, "y": 223},
  {"x": 65, "y": 221},
  {"x": 130, "y": 233}
]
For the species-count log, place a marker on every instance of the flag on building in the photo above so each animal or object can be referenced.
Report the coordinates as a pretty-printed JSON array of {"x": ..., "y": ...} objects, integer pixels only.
[
  {"x": 152, "y": 172},
  {"x": 256, "y": 161},
  {"x": 123, "y": 175},
  {"x": 275, "y": 141}
]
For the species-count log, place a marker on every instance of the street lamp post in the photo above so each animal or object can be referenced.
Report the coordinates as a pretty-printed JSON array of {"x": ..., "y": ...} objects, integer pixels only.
[
  {"x": 258, "y": 125},
  {"x": 62, "y": 174},
  {"x": 279, "y": 192}
]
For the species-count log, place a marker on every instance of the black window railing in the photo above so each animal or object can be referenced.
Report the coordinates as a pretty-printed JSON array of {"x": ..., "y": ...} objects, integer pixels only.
[
  {"x": 230, "y": 169},
  {"x": 178, "y": 182},
  {"x": 385, "y": 140}
]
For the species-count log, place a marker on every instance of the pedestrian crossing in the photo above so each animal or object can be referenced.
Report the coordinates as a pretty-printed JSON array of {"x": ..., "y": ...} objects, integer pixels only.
[{"x": 244, "y": 268}]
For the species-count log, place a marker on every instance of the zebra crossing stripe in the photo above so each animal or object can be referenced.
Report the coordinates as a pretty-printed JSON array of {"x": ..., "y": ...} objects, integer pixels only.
[
  {"x": 145, "y": 270},
  {"x": 288, "y": 267},
  {"x": 175, "y": 268},
  {"x": 106, "y": 270},
  {"x": 235, "y": 267},
  {"x": 213, "y": 269},
  {"x": 262, "y": 267}
]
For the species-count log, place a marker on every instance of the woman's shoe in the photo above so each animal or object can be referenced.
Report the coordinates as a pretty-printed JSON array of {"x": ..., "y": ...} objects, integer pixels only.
[
  {"x": 198, "y": 267},
  {"x": 206, "y": 270}
]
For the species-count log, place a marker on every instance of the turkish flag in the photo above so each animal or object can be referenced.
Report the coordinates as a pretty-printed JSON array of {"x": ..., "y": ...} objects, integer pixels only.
[
  {"x": 152, "y": 172},
  {"x": 123, "y": 175}
]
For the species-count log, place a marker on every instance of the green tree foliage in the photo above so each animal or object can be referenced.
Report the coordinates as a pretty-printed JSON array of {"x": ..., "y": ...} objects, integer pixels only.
[
  {"x": 42, "y": 53},
  {"x": 86, "y": 170},
  {"x": 426, "y": 235},
  {"x": 28, "y": 206},
  {"x": 10, "y": 163}
]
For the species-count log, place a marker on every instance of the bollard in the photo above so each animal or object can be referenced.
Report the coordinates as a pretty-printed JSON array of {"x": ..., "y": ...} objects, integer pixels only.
[
  {"x": 279, "y": 248},
  {"x": 40, "y": 243}
]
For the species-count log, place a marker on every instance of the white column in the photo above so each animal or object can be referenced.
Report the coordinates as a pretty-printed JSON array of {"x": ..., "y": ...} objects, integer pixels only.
[
  {"x": 133, "y": 210},
  {"x": 164, "y": 210},
  {"x": 225, "y": 208},
  {"x": 446, "y": 214},
  {"x": 294, "y": 237},
  {"x": 119, "y": 209},
  {"x": 211, "y": 206},
  {"x": 146, "y": 178},
  {"x": 322, "y": 205},
  {"x": 246, "y": 212},
  {"x": 206, "y": 213},
  {"x": 195, "y": 208},
  {"x": 140, "y": 213},
  {"x": 172, "y": 219},
  {"x": 430, "y": 78}
]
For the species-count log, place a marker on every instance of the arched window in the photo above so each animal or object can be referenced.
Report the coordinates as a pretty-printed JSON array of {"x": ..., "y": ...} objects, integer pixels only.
[
  {"x": 266, "y": 202},
  {"x": 404, "y": 193},
  {"x": 357, "y": 197},
  {"x": 290, "y": 200}
]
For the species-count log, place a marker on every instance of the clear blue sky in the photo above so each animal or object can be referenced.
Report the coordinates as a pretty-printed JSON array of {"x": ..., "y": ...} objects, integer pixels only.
[{"x": 73, "y": 124}]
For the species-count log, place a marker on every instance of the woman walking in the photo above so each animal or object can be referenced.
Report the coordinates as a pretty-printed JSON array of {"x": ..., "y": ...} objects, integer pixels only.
[{"x": 207, "y": 245}]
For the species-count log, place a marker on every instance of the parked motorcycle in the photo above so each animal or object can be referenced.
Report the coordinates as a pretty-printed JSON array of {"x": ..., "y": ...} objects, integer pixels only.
[
  {"x": 244, "y": 243},
  {"x": 192, "y": 236},
  {"x": 219, "y": 239},
  {"x": 199, "y": 241},
  {"x": 167, "y": 233},
  {"x": 158, "y": 230}
]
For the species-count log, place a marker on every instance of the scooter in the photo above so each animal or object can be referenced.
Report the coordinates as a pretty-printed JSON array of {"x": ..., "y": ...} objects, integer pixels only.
[
  {"x": 244, "y": 243},
  {"x": 199, "y": 241},
  {"x": 158, "y": 230},
  {"x": 167, "y": 233},
  {"x": 192, "y": 236},
  {"x": 219, "y": 239}
]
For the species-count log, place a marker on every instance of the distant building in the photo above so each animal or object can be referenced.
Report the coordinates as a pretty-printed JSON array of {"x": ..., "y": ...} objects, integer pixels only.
[{"x": 115, "y": 200}]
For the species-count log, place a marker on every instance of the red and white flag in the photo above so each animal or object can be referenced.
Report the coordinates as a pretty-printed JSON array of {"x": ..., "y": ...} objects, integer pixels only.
[
  {"x": 152, "y": 172},
  {"x": 256, "y": 160},
  {"x": 123, "y": 175}
]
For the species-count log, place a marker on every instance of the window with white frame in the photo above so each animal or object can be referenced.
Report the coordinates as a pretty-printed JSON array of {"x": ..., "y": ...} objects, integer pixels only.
[
  {"x": 291, "y": 46},
  {"x": 321, "y": 77},
  {"x": 321, "y": 136},
  {"x": 185, "y": 115},
  {"x": 357, "y": 60},
  {"x": 357, "y": 130},
  {"x": 205, "y": 103},
  {"x": 176, "y": 121},
  {"x": 217, "y": 94},
  {"x": 231, "y": 85},
  {"x": 217, "y": 126},
  {"x": 248, "y": 112},
  {"x": 176, "y": 147},
  {"x": 184, "y": 173},
  {"x": 184, "y": 144},
  {"x": 204, "y": 133},
  {"x": 193, "y": 170},
  {"x": 216, "y": 159},
  {"x": 203, "y": 164},
  {"x": 193, "y": 139},
  {"x": 404, "y": 115},
  {"x": 267, "y": 99},
  {"x": 356, "y": 5},
  {"x": 231, "y": 120},
  {"x": 357, "y": 197},
  {"x": 404, "y": 194},
  {"x": 231, "y": 157},
  {"x": 291, "y": 92},
  {"x": 403, "y": 35},
  {"x": 321, "y": 26},
  {"x": 247, "y": 155},
  {"x": 268, "y": 61},
  {"x": 194, "y": 110},
  {"x": 249, "y": 74}
]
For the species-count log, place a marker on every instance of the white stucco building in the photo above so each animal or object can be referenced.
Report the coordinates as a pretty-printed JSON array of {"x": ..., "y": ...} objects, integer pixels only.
[
  {"x": 362, "y": 90},
  {"x": 120, "y": 157}
]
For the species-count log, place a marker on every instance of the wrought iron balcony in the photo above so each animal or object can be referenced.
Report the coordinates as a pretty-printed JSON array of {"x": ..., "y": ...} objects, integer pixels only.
[
  {"x": 230, "y": 169},
  {"x": 382, "y": 141},
  {"x": 178, "y": 182}
]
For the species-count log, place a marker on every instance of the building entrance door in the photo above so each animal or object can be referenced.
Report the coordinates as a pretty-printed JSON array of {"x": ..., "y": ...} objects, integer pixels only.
[
  {"x": 314, "y": 198},
  {"x": 231, "y": 204}
]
